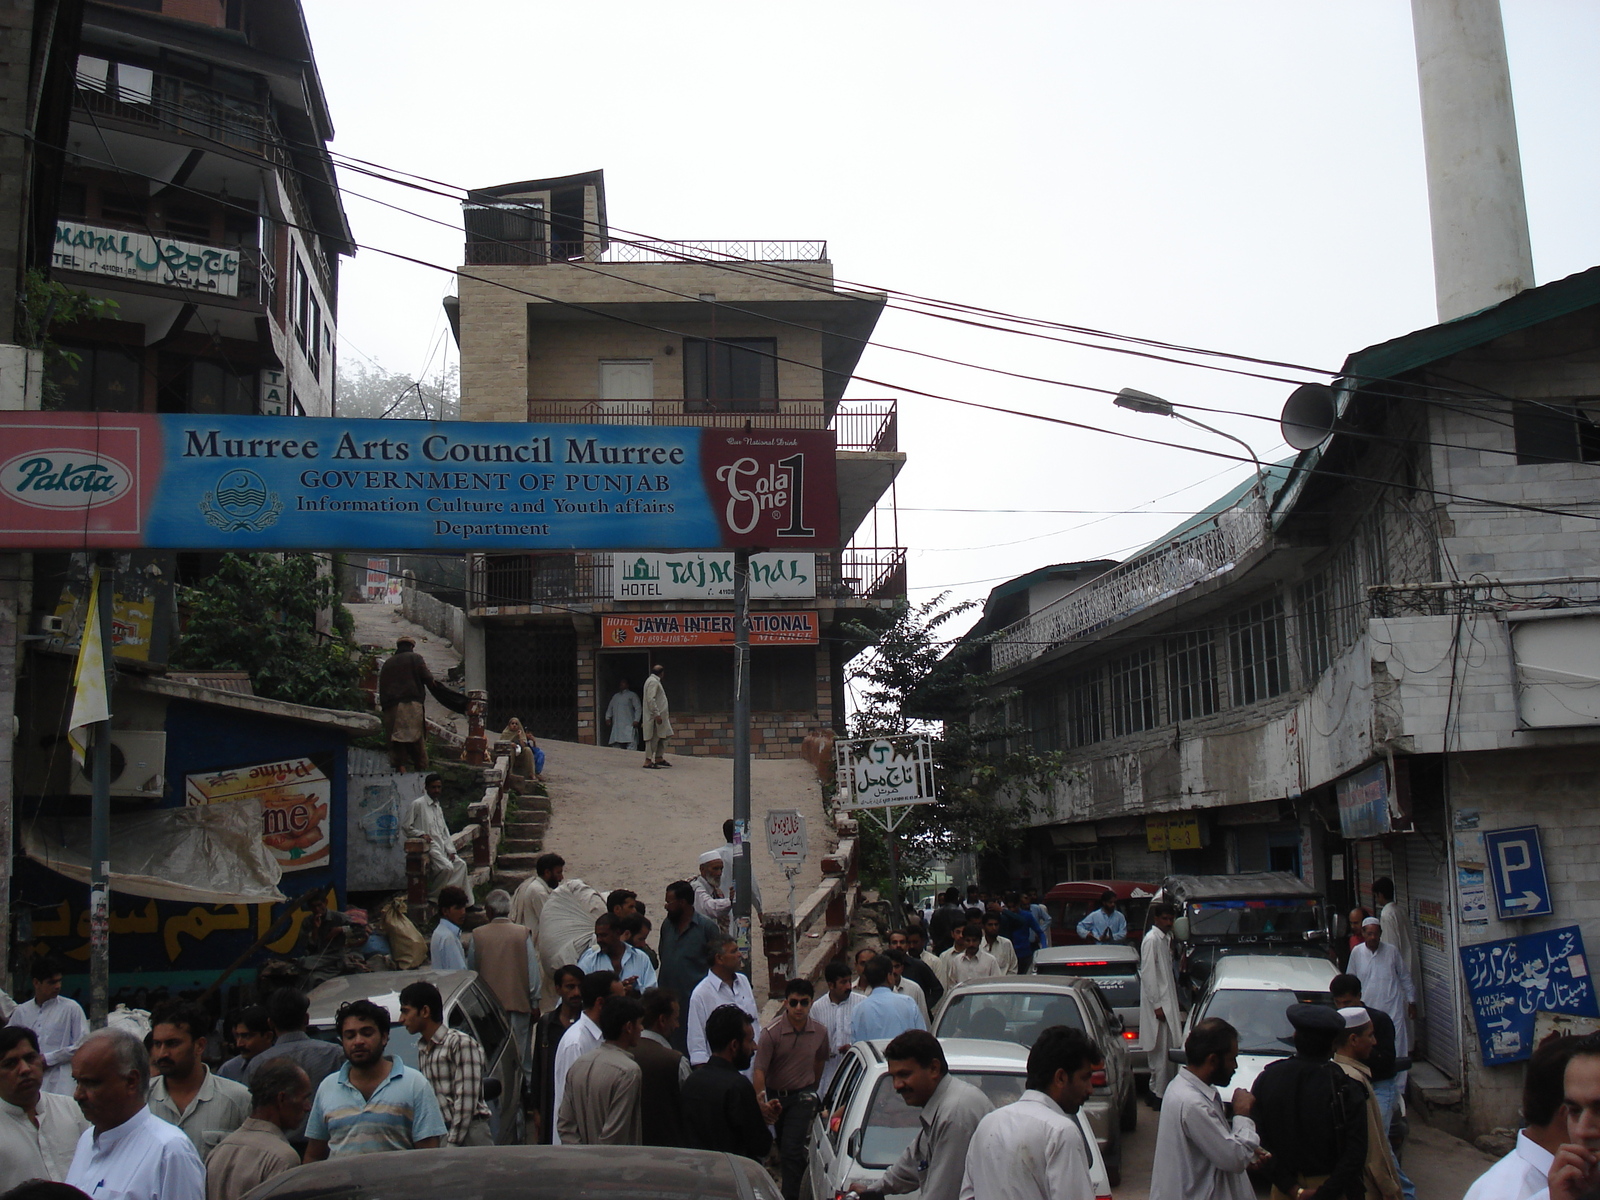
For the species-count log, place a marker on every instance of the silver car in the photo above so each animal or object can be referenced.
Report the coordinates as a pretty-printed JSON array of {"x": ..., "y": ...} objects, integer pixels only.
[
  {"x": 1018, "y": 1008},
  {"x": 1115, "y": 971},
  {"x": 469, "y": 1006},
  {"x": 862, "y": 1126}
]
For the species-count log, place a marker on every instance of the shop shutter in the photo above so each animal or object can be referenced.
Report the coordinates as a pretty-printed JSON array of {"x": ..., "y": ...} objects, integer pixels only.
[
  {"x": 1134, "y": 860},
  {"x": 1429, "y": 906}
]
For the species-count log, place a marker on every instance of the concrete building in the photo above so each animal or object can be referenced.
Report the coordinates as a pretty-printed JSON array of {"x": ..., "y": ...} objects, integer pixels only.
[
  {"x": 1358, "y": 666},
  {"x": 560, "y": 320}
]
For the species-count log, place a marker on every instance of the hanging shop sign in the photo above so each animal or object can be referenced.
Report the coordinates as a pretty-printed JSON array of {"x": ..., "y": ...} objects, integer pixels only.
[
  {"x": 1173, "y": 831},
  {"x": 1512, "y": 979},
  {"x": 1364, "y": 802},
  {"x": 885, "y": 772},
  {"x": 181, "y": 482},
  {"x": 707, "y": 629},
  {"x": 710, "y": 576},
  {"x": 145, "y": 258}
]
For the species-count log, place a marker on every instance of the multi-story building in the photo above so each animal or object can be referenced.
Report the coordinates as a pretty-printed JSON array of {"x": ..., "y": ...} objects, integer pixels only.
[
  {"x": 560, "y": 320},
  {"x": 198, "y": 194},
  {"x": 1364, "y": 666}
]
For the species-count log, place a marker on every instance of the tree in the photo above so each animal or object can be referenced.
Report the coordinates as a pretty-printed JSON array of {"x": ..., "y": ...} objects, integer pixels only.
[
  {"x": 912, "y": 682},
  {"x": 374, "y": 392},
  {"x": 258, "y": 613}
]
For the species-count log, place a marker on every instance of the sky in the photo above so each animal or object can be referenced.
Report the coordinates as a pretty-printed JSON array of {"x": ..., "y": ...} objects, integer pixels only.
[{"x": 1244, "y": 177}]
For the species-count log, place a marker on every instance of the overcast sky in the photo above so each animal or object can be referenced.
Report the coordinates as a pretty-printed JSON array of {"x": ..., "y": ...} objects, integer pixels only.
[{"x": 1244, "y": 177}]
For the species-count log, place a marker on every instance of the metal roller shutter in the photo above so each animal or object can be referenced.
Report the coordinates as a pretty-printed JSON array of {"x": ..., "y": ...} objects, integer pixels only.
[{"x": 1428, "y": 904}]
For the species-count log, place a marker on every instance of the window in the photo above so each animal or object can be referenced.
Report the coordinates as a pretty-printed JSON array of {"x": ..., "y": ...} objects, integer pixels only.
[
  {"x": 1256, "y": 651},
  {"x": 738, "y": 374},
  {"x": 1134, "y": 702},
  {"x": 1552, "y": 433},
  {"x": 199, "y": 385},
  {"x": 1313, "y": 626},
  {"x": 1191, "y": 675},
  {"x": 104, "y": 379},
  {"x": 782, "y": 679},
  {"x": 307, "y": 317},
  {"x": 1085, "y": 724},
  {"x": 1039, "y": 709},
  {"x": 513, "y": 232},
  {"x": 698, "y": 680},
  {"x": 189, "y": 223}
]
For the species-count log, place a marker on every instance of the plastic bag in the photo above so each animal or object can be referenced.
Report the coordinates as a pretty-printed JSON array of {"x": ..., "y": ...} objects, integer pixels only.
[
  {"x": 409, "y": 947},
  {"x": 566, "y": 924}
]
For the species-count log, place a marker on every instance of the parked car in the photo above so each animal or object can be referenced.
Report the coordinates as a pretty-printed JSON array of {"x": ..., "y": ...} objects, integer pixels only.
[
  {"x": 468, "y": 1006},
  {"x": 1069, "y": 903},
  {"x": 1257, "y": 912},
  {"x": 526, "y": 1173},
  {"x": 1253, "y": 992},
  {"x": 1115, "y": 971},
  {"x": 1018, "y": 1008},
  {"x": 862, "y": 1126}
]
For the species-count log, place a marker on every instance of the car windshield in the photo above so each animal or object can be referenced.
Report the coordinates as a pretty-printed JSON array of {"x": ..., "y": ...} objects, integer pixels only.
[
  {"x": 1261, "y": 1017},
  {"x": 1224, "y": 918},
  {"x": 891, "y": 1123},
  {"x": 1008, "y": 1016},
  {"x": 1118, "y": 981}
]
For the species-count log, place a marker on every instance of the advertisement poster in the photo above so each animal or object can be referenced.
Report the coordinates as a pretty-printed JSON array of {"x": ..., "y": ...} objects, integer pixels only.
[
  {"x": 192, "y": 482},
  {"x": 294, "y": 796}
]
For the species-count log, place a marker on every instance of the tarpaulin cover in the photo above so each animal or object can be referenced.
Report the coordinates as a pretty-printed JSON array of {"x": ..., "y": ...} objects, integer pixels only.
[
  {"x": 205, "y": 854},
  {"x": 566, "y": 923}
]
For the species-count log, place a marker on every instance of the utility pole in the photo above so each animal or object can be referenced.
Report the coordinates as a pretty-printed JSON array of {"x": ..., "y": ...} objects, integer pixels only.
[
  {"x": 741, "y": 751},
  {"x": 98, "y": 626}
]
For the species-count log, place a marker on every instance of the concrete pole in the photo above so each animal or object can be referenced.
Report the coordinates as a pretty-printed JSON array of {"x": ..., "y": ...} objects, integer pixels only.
[
  {"x": 98, "y": 624},
  {"x": 1481, "y": 253},
  {"x": 741, "y": 751}
]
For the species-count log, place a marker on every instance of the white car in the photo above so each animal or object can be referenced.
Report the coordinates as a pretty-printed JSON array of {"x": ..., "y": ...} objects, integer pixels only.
[
  {"x": 862, "y": 1126},
  {"x": 1253, "y": 992}
]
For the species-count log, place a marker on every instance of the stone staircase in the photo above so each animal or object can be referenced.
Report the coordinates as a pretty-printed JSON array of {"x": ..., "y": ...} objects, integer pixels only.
[{"x": 522, "y": 839}]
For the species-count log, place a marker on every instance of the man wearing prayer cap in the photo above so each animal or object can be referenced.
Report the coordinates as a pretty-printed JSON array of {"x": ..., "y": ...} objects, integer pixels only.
[
  {"x": 1311, "y": 1116},
  {"x": 1386, "y": 983},
  {"x": 1351, "y": 1048},
  {"x": 709, "y": 899}
]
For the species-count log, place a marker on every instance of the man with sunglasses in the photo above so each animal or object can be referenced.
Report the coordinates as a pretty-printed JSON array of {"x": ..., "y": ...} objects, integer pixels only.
[{"x": 789, "y": 1061}]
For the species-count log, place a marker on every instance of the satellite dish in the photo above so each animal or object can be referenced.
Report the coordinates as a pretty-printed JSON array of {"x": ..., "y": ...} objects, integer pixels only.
[{"x": 1308, "y": 416}]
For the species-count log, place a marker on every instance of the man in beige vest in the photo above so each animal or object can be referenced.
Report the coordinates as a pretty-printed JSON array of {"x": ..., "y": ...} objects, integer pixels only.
[
  {"x": 527, "y": 903},
  {"x": 504, "y": 955}
]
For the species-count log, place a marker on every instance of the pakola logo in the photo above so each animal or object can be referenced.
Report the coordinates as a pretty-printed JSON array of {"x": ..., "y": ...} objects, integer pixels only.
[{"x": 63, "y": 478}]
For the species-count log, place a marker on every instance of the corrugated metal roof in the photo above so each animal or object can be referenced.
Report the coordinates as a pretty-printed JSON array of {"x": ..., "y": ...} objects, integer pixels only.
[{"x": 237, "y": 682}]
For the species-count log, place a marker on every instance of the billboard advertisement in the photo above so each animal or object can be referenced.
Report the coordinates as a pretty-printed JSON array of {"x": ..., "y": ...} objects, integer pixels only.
[{"x": 180, "y": 482}]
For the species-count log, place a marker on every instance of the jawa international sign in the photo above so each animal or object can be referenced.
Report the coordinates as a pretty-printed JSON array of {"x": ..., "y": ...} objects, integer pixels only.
[{"x": 177, "y": 482}]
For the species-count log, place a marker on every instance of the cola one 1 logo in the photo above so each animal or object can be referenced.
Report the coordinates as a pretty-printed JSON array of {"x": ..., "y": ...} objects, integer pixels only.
[{"x": 64, "y": 478}]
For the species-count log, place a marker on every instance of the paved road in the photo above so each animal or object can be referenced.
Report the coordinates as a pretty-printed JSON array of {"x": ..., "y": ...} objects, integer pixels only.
[{"x": 1441, "y": 1166}]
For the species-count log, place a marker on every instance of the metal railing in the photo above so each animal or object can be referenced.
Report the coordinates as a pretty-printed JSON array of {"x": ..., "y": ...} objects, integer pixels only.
[
  {"x": 258, "y": 278},
  {"x": 1136, "y": 584},
  {"x": 186, "y": 107},
  {"x": 859, "y": 425},
  {"x": 507, "y": 580},
  {"x": 538, "y": 251}
]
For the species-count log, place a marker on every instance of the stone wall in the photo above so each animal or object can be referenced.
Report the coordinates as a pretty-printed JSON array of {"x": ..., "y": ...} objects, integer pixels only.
[{"x": 446, "y": 620}]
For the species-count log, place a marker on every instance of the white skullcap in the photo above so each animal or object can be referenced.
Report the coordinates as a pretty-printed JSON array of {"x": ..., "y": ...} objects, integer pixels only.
[
  {"x": 1355, "y": 1018},
  {"x": 1371, "y": 921},
  {"x": 710, "y": 856}
]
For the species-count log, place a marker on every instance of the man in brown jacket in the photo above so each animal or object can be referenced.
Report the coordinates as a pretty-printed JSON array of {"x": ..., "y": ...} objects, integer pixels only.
[
  {"x": 664, "y": 1069},
  {"x": 402, "y": 690},
  {"x": 503, "y": 954}
]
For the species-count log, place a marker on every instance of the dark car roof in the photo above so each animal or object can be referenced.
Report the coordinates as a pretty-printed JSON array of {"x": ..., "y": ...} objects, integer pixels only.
[
  {"x": 1091, "y": 890},
  {"x": 1250, "y": 885},
  {"x": 515, "y": 1173}
]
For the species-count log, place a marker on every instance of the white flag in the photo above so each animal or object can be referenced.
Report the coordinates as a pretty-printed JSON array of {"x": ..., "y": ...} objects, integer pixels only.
[{"x": 90, "y": 700}]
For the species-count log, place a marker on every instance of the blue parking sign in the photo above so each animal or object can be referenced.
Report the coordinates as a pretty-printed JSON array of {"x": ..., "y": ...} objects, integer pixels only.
[{"x": 1516, "y": 872}]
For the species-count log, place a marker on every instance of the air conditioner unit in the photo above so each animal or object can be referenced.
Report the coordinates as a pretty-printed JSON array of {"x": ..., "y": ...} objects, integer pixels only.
[{"x": 138, "y": 765}]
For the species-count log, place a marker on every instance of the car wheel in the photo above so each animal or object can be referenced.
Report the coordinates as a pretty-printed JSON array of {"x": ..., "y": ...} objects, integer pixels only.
[
  {"x": 1130, "y": 1111},
  {"x": 1112, "y": 1155}
]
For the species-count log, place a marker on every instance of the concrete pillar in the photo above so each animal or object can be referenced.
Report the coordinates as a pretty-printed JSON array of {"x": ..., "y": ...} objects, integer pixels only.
[{"x": 1481, "y": 253}]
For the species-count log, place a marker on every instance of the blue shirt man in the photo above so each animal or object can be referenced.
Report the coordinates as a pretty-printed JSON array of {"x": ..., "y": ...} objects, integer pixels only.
[
  {"x": 374, "y": 1102},
  {"x": 1025, "y": 933},
  {"x": 883, "y": 1012},
  {"x": 1105, "y": 924},
  {"x": 444, "y": 948},
  {"x": 634, "y": 964}
]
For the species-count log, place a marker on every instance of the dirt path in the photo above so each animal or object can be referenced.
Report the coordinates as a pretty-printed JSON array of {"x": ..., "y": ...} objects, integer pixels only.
[
  {"x": 381, "y": 624},
  {"x": 620, "y": 826}
]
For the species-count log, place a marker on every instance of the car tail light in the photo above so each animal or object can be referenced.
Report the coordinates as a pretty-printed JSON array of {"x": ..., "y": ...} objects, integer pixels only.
[
  {"x": 1102, "y": 1198},
  {"x": 1099, "y": 1078},
  {"x": 1131, "y": 1034}
]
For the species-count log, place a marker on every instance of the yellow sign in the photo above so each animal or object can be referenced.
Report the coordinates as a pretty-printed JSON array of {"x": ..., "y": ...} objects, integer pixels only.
[{"x": 1178, "y": 831}]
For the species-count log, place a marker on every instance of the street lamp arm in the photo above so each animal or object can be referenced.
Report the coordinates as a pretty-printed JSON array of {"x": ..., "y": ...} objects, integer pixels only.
[{"x": 1260, "y": 471}]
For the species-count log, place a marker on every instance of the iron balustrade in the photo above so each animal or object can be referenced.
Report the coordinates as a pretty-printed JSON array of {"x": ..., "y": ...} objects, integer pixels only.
[
  {"x": 1137, "y": 584},
  {"x": 539, "y": 251},
  {"x": 185, "y": 107}
]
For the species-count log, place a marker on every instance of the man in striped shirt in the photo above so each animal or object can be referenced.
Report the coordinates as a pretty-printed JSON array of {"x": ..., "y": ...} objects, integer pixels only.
[
  {"x": 453, "y": 1063},
  {"x": 373, "y": 1102}
]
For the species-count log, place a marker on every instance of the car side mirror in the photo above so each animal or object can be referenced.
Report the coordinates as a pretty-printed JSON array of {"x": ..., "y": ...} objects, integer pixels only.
[
  {"x": 1116, "y": 1023},
  {"x": 492, "y": 1088},
  {"x": 1180, "y": 929},
  {"x": 1177, "y": 1056},
  {"x": 853, "y": 1146}
]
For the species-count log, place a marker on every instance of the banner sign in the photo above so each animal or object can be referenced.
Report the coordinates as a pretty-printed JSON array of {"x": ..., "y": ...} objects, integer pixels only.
[
  {"x": 1179, "y": 831},
  {"x": 786, "y": 836},
  {"x": 178, "y": 482},
  {"x": 886, "y": 772},
  {"x": 710, "y": 576},
  {"x": 707, "y": 629},
  {"x": 1364, "y": 802},
  {"x": 145, "y": 258},
  {"x": 294, "y": 797},
  {"x": 1510, "y": 980}
]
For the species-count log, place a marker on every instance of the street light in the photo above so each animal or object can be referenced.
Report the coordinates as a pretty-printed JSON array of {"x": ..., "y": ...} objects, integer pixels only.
[{"x": 1143, "y": 402}]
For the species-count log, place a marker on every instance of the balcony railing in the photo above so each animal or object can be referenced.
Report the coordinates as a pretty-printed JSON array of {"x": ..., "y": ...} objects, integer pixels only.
[
  {"x": 1136, "y": 584},
  {"x": 538, "y": 251},
  {"x": 859, "y": 425},
  {"x": 506, "y": 580},
  {"x": 185, "y": 107}
]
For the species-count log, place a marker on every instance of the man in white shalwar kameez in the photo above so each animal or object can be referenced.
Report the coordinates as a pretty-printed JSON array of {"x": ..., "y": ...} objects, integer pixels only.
[
  {"x": 1200, "y": 1153},
  {"x": 58, "y": 1023},
  {"x": 1386, "y": 985},
  {"x": 527, "y": 904},
  {"x": 425, "y": 819},
  {"x": 1158, "y": 998}
]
